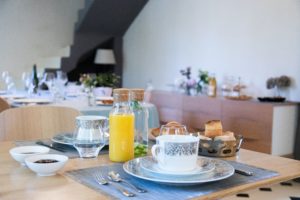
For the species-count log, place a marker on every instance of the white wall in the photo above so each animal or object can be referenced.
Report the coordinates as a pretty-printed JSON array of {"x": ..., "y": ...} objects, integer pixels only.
[
  {"x": 253, "y": 39},
  {"x": 34, "y": 31}
]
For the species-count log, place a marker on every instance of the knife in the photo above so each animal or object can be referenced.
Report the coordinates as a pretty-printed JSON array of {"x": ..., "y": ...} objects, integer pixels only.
[
  {"x": 50, "y": 146},
  {"x": 243, "y": 172}
]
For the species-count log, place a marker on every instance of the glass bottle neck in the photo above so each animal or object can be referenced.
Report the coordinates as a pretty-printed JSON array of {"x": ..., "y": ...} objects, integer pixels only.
[{"x": 122, "y": 107}]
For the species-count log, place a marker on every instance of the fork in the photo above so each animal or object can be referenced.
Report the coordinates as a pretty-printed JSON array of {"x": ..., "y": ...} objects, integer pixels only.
[{"x": 102, "y": 181}]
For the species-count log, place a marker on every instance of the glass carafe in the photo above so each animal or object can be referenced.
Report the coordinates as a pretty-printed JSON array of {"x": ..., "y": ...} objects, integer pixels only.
[
  {"x": 121, "y": 127},
  {"x": 141, "y": 115}
]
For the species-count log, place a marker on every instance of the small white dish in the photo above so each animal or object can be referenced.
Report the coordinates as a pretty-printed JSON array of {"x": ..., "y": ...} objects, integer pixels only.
[
  {"x": 204, "y": 165},
  {"x": 46, "y": 169},
  {"x": 20, "y": 153}
]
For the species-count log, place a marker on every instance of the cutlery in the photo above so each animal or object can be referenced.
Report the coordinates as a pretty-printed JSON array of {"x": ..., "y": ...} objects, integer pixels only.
[
  {"x": 113, "y": 176},
  {"x": 243, "y": 172},
  {"x": 50, "y": 146},
  {"x": 102, "y": 181}
]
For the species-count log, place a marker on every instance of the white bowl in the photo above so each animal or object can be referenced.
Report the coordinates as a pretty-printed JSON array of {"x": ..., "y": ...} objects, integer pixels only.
[
  {"x": 46, "y": 169},
  {"x": 20, "y": 153}
]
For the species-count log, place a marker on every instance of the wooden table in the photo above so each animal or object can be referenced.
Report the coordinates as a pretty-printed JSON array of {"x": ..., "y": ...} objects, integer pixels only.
[{"x": 18, "y": 182}]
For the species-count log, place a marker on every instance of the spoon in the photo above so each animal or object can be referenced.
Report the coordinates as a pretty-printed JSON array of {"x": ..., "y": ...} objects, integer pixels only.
[
  {"x": 102, "y": 181},
  {"x": 113, "y": 176}
]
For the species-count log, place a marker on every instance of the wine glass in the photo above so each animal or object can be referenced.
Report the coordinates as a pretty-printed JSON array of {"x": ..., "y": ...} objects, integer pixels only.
[
  {"x": 61, "y": 77},
  {"x": 90, "y": 135},
  {"x": 48, "y": 79},
  {"x": 10, "y": 85},
  {"x": 60, "y": 82},
  {"x": 26, "y": 79},
  {"x": 4, "y": 74}
]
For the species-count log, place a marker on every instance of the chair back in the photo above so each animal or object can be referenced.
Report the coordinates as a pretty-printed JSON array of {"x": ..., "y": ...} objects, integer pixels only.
[
  {"x": 36, "y": 122},
  {"x": 3, "y": 104}
]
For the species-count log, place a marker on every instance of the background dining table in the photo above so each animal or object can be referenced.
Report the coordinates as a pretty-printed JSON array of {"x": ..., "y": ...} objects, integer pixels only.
[
  {"x": 81, "y": 104},
  {"x": 18, "y": 182}
]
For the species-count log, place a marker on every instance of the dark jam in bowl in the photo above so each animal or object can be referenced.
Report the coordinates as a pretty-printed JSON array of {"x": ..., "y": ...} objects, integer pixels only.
[{"x": 42, "y": 161}]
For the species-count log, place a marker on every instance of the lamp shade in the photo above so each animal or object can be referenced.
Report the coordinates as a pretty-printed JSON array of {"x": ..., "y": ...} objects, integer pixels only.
[{"x": 105, "y": 56}]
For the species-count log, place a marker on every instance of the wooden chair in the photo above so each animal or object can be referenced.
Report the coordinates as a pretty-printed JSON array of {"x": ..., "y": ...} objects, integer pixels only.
[
  {"x": 3, "y": 105},
  {"x": 36, "y": 122}
]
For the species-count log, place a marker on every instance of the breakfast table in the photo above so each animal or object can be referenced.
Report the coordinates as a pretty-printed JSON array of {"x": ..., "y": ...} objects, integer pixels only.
[{"x": 18, "y": 182}]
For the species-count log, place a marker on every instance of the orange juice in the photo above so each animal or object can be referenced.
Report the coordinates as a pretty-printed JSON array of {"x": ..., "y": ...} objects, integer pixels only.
[{"x": 121, "y": 137}]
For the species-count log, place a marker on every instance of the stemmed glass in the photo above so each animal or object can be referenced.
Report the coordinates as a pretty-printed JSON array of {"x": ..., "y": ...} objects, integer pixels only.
[
  {"x": 48, "y": 79},
  {"x": 62, "y": 77},
  {"x": 60, "y": 82},
  {"x": 90, "y": 135},
  {"x": 10, "y": 85},
  {"x": 26, "y": 79}
]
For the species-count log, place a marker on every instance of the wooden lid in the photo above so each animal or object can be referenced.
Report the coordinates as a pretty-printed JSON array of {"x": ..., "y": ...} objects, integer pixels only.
[
  {"x": 137, "y": 94},
  {"x": 121, "y": 94}
]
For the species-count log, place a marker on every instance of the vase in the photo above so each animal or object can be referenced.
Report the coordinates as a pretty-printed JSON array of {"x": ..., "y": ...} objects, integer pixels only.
[{"x": 102, "y": 91}]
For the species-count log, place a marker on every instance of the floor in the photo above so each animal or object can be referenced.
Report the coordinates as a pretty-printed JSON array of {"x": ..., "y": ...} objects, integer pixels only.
[{"x": 289, "y": 190}]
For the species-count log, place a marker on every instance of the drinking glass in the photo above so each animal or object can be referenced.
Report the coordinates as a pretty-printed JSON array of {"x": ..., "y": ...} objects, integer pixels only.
[
  {"x": 90, "y": 135},
  {"x": 10, "y": 84},
  {"x": 173, "y": 130},
  {"x": 61, "y": 77},
  {"x": 4, "y": 74},
  {"x": 60, "y": 83},
  {"x": 48, "y": 79},
  {"x": 26, "y": 79}
]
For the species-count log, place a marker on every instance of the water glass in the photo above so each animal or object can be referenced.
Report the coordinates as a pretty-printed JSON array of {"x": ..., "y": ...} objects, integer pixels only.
[
  {"x": 90, "y": 135},
  {"x": 173, "y": 130}
]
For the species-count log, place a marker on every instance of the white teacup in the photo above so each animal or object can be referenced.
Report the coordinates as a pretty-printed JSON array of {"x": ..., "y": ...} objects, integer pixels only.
[{"x": 176, "y": 152}]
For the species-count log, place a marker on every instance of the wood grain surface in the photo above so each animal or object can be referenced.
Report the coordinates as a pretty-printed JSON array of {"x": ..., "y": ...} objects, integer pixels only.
[{"x": 18, "y": 182}]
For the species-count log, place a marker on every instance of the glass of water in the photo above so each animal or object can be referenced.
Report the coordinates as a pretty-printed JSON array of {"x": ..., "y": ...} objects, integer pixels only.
[{"x": 90, "y": 135}]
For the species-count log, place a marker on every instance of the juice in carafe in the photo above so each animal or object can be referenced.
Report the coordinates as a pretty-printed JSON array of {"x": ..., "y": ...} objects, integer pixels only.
[
  {"x": 121, "y": 128},
  {"x": 121, "y": 139}
]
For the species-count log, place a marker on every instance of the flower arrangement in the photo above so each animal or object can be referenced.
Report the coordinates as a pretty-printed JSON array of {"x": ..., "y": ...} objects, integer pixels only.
[
  {"x": 100, "y": 80},
  {"x": 189, "y": 83}
]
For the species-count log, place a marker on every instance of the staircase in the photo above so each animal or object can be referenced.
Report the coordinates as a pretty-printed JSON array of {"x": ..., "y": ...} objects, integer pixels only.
[{"x": 101, "y": 24}]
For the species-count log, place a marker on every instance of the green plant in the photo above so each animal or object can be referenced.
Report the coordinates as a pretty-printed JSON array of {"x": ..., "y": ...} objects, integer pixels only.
[
  {"x": 100, "y": 80},
  {"x": 203, "y": 80}
]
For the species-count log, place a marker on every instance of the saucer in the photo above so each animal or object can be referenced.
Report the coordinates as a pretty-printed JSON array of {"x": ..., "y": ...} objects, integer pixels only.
[
  {"x": 204, "y": 165},
  {"x": 222, "y": 170}
]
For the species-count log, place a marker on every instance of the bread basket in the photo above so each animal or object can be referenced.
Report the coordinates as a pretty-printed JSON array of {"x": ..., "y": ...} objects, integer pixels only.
[{"x": 219, "y": 148}]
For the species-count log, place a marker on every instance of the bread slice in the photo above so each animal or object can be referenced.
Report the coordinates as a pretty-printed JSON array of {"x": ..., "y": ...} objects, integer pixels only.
[{"x": 213, "y": 128}]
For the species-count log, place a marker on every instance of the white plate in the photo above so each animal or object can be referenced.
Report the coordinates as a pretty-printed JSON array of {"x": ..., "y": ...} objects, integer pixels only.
[
  {"x": 99, "y": 103},
  {"x": 204, "y": 165},
  {"x": 221, "y": 171},
  {"x": 100, "y": 98},
  {"x": 13, "y": 96},
  {"x": 37, "y": 100},
  {"x": 64, "y": 138},
  {"x": 67, "y": 138}
]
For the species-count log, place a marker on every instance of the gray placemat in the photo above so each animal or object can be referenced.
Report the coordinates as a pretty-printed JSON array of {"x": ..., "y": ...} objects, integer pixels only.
[
  {"x": 71, "y": 152},
  {"x": 166, "y": 192}
]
